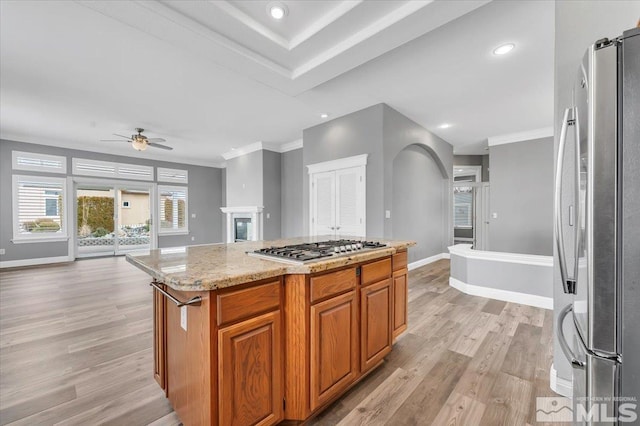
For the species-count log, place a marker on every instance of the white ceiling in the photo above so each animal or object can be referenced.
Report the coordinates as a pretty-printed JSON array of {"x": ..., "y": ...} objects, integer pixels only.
[{"x": 209, "y": 76}]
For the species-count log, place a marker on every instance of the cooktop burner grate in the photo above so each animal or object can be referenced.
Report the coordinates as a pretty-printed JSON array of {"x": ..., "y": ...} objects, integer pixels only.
[{"x": 309, "y": 252}]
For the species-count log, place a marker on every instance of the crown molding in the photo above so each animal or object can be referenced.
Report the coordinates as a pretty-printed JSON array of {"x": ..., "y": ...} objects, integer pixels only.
[
  {"x": 260, "y": 145},
  {"x": 290, "y": 146},
  {"x": 527, "y": 135}
]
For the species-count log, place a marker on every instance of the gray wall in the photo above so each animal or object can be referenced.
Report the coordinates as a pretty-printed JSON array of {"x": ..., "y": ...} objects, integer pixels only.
[
  {"x": 244, "y": 180},
  {"x": 205, "y": 200},
  {"x": 578, "y": 25},
  {"x": 271, "y": 194},
  {"x": 353, "y": 134},
  {"x": 474, "y": 160},
  {"x": 522, "y": 196},
  {"x": 399, "y": 133},
  {"x": 418, "y": 201},
  {"x": 292, "y": 174},
  {"x": 384, "y": 133}
]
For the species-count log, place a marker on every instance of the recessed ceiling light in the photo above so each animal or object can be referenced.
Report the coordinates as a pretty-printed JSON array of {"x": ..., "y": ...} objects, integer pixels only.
[
  {"x": 233, "y": 149},
  {"x": 277, "y": 10},
  {"x": 444, "y": 126},
  {"x": 324, "y": 115},
  {"x": 504, "y": 49}
]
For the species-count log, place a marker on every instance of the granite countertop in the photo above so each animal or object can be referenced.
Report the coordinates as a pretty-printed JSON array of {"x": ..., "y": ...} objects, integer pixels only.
[{"x": 214, "y": 266}]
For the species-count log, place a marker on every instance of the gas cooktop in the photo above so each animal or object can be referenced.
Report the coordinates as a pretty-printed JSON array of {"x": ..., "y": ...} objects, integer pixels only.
[{"x": 312, "y": 252}]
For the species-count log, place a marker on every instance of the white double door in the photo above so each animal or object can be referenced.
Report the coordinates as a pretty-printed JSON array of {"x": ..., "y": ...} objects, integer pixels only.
[{"x": 338, "y": 203}]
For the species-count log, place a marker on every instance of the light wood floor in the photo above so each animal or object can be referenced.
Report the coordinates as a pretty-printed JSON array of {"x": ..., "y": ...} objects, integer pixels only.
[{"x": 75, "y": 349}]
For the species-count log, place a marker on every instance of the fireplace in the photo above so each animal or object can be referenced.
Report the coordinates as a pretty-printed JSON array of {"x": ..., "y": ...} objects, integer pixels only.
[{"x": 243, "y": 223}]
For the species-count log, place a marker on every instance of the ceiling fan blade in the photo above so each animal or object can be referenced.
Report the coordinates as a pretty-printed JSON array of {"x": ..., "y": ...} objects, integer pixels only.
[
  {"x": 114, "y": 140},
  {"x": 157, "y": 145},
  {"x": 156, "y": 140},
  {"x": 122, "y": 136}
]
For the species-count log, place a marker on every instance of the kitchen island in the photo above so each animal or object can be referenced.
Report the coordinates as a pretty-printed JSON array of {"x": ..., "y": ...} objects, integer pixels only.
[{"x": 239, "y": 340}]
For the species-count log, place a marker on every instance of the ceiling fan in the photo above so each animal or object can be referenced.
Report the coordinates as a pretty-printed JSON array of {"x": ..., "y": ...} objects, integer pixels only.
[{"x": 140, "y": 142}]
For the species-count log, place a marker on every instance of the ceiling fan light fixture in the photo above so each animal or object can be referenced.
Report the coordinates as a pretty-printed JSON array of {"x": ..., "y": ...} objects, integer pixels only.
[{"x": 139, "y": 143}]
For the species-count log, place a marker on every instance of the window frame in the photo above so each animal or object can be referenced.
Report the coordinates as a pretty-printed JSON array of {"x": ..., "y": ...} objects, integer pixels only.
[
  {"x": 19, "y": 237},
  {"x": 173, "y": 231}
]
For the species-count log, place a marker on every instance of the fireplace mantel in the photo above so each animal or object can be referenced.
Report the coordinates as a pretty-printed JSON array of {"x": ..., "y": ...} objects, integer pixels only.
[{"x": 252, "y": 212}]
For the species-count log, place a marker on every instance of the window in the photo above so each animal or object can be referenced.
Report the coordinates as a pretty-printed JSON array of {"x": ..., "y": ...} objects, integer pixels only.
[
  {"x": 173, "y": 210},
  {"x": 173, "y": 175},
  {"x": 39, "y": 162},
  {"x": 462, "y": 207},
  {"x": 86, "y": 167},
  {"x": 38, "y": 212}
]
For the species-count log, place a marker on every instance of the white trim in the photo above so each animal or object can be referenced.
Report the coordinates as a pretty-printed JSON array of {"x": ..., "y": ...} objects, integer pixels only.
[
  {"x": 32, "y": 262},
  {"x": 242, "y": 209},
  {"x": 559, "y": 385},
  {"x": 465, "y": 250},
  {"x": 259, "y": 146},
  {"x": 505, "y": 295},
  {"x": 528, "y": 135},
  {"x": 290, "y": 146},
  {"x": 341, "y": 163},
  {"x": 56, "y": 239},
  {"x": 57, "y": 163},
  {"x": 427, "y": 260}
]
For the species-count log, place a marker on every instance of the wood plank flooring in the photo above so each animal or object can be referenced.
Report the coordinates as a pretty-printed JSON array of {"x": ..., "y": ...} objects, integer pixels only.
[{"x": 75, "y": 349}]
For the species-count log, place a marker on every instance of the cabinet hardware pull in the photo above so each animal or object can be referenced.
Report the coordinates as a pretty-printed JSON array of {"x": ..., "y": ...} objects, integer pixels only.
[{"x": 193, "y": 301}]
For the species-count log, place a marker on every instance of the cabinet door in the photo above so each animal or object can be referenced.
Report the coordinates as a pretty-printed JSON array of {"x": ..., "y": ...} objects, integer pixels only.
[
  {"x": 375, "y": 306},
  {"x": 400, "y": 297},
  {"x": 250, "y": 372},
  {"x": 350, "y": 205},
  {"x": 159, "y": 341},
  {"x": 334, "y": 347},
  {"x": 323, "y": 203}
]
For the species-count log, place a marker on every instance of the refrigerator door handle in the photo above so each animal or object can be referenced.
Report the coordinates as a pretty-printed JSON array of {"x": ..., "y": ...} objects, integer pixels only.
[
  {"x": 563, "y": 341},
  {"x": 568, "y": 284}
]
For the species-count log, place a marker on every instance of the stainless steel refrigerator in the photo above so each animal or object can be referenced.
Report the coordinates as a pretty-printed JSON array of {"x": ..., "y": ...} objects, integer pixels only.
[{"x": 597, "y": 229}]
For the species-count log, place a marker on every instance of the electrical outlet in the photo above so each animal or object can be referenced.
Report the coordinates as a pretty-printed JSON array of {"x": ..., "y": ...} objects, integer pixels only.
[
  {"x": 268, "y": 215},
  {"x": 193, "y": 215},
  {"x": 2, "y": 252},
  {"x": 193, "y": 238},
  {"x": 494, "y": 215}
]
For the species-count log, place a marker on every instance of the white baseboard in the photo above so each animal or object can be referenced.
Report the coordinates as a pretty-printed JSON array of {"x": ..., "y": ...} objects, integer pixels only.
[
  {"x": 427, "y": 260},
  {"x": 32, "y": 262},
  {"x": 505, "y": 295},
  {"x": 559, "y": 385}
]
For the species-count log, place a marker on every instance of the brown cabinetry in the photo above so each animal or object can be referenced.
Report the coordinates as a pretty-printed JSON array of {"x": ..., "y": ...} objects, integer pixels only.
[
  {"x": 250, "y": 371},
  {"x": 400, "y": 293},
  {"x": 334, "y": 347}
]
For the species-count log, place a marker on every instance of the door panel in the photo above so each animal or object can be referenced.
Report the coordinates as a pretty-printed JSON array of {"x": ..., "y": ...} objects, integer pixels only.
[
  {"x": 376, "y": 323},
  {"x": 400, "y": 296},
  {"x": 334, "y": 347},
  {"x": 349, "y": 199},
  {"x": 250, "y": 370},
  {"x": 323, "y": 204},
  {"x": 96, "y": 223}
]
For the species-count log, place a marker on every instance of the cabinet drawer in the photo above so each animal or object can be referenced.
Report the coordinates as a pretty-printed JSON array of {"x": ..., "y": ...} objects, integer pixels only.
[
  {"x": 326, "y": 285},
  {"x": 376, "y": 271},
  {"x": 248, "y": 302},
  {"x": 400, "y": 260}
]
